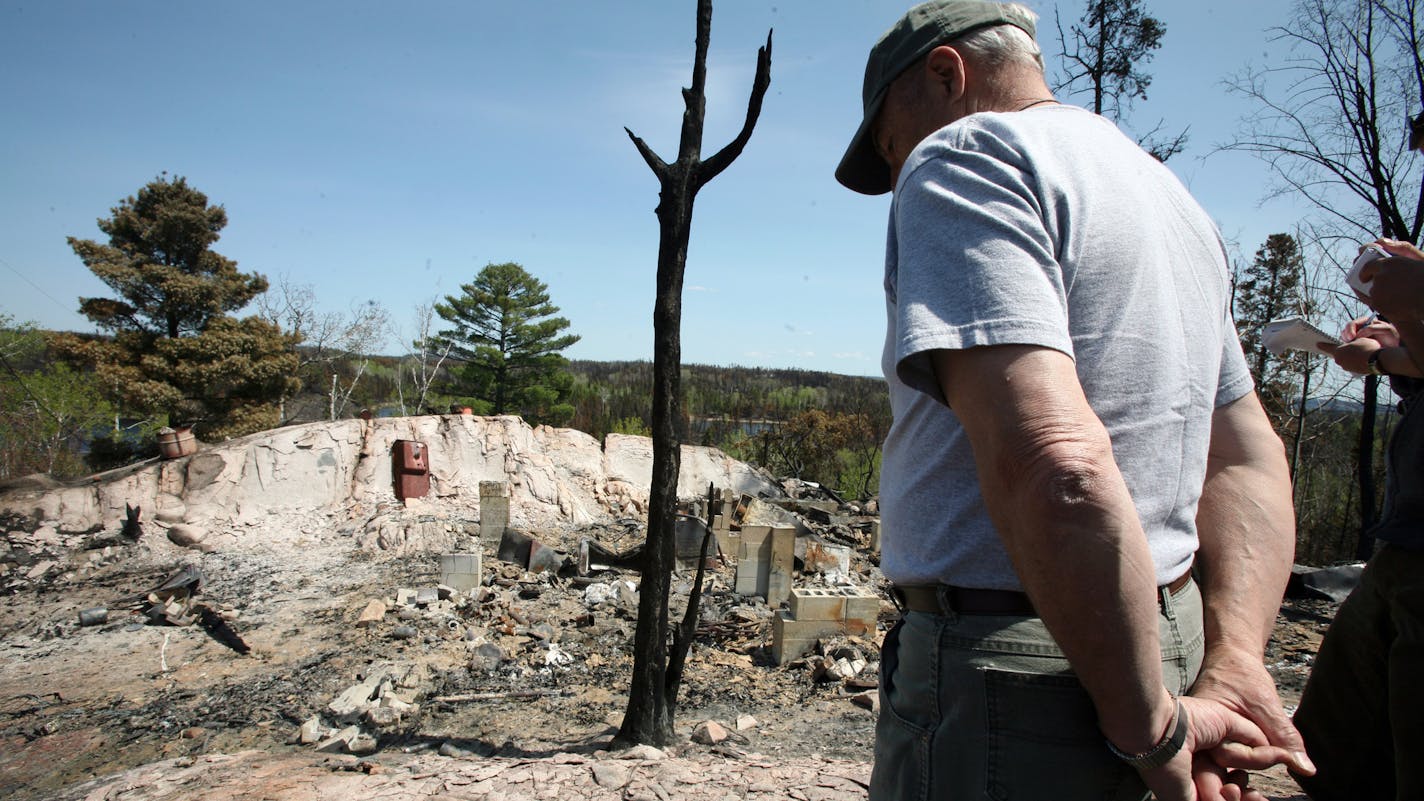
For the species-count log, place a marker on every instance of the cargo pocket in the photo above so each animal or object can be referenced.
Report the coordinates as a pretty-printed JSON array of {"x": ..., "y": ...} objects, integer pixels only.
[
  {"x": 1044, "y": 742},
  {"x": 908, "y": 714}
]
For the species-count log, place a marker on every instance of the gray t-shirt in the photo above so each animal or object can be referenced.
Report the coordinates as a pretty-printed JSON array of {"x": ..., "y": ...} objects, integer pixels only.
[{"x": 1049, "y": 227}]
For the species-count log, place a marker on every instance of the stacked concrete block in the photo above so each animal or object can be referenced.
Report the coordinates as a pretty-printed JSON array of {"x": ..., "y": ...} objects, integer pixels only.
[
  {"x": 728, "y": 541},
  {"x": 494, "y": 509},
  {"x": 781, "y": 565},
  {"x": 750, "y": 558},
  {"x": 765, "y": 562},
  {"x": 817, "y": 612},
  {"x": 460, "y": 570}
]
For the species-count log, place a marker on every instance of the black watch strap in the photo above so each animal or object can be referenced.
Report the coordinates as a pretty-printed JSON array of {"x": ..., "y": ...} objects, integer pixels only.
[
  {"x": 1166, "y": 748},
  {"x": 1374, "y": 363}
]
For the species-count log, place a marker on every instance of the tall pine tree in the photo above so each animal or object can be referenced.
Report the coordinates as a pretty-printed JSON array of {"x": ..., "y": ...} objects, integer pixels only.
[
  {"x": 1271, "y": 288},
  {"x": 507, "y": 342},
  {"x": 175, "y": 351}
]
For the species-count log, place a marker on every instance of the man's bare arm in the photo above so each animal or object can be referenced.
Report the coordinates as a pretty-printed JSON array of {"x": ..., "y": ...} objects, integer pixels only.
[
  {"x": 1063, "y": 511},
  {"x": 1060, "y": 505},
  {"x": 1246, "y": 527}
]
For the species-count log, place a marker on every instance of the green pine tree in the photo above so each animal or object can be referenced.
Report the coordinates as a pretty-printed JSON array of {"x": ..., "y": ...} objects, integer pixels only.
[
  {"x": 1271, "y": 288},
  {"x": 174, "y": 350},
  {"x": 506, "y": 341}
]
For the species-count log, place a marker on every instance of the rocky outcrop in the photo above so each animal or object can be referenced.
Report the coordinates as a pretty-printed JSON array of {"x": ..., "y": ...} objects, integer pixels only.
[{"x": 555, "y": 475}]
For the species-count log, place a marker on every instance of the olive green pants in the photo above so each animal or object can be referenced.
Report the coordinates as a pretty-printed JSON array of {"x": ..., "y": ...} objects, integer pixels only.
[{"x": 986, "y": 707}]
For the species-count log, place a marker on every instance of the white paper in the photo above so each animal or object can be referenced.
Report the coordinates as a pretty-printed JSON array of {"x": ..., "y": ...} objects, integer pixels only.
[{"x": 1296, "y": 334}]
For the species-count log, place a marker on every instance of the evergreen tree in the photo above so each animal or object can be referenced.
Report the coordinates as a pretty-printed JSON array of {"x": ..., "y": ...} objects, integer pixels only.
[
  {"x": 174, "y": 350},
  {"x": 507, "y": 343},
  {"x": 1272, "y": 287}
]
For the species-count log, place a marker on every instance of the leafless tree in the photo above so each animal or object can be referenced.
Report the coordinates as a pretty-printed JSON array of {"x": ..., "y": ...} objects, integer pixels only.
[
  {"x": 427, "y": 355},
  {"x": 657, "y": 663},
  {"x": 331, "y": 341},
  {"x": 1334, "y": 123}
]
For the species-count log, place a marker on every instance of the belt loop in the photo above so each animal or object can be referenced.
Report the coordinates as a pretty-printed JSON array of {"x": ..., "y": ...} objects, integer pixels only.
[
  {"x": 946, "y": 603},
  {"x": 898, "y": 597},
  {"x": 1164, "y": 600}
]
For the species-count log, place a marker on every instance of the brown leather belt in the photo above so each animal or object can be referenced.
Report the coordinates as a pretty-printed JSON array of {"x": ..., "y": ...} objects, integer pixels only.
[{"x": 943, "y": 599}]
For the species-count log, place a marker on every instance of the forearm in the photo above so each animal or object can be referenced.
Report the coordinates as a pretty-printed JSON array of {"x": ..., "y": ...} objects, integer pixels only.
[
  {"x": 1246, "y": 527},
  {"x": 1061, "y": 508},
  {"x": 1247, "y": 546},
  {"x": 1074, "y": 537}
]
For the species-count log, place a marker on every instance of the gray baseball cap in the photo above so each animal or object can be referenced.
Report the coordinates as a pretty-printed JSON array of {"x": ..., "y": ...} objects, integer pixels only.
[{"x": 922, "y": 29}]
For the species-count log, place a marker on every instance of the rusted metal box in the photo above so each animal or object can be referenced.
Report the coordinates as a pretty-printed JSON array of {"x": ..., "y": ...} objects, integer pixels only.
[{"x": 411, "y": 466}]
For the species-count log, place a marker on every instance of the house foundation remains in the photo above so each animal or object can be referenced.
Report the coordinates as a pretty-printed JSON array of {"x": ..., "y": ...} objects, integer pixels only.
[{"x": 816, "y": 612}]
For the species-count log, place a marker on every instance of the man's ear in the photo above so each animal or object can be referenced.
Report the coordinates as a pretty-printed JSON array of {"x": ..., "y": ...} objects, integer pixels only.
[{"x": 946, "y": 69}]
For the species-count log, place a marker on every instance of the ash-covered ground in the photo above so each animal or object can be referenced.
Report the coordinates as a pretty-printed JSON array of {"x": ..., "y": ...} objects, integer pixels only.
[{"x": 528, "y": 665}]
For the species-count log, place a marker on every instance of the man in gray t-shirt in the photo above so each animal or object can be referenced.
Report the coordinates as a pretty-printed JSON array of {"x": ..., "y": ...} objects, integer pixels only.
[{"x": 1075, "y": 428}]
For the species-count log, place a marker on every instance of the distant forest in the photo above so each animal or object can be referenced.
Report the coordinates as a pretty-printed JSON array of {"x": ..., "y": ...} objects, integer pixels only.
[
  {"x": 811, "y": 425},
  {"x": 56, "y": 418}
]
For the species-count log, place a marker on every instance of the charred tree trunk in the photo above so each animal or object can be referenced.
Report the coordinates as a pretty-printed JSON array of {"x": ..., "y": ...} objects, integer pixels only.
[{"x": 652, "y": 695}]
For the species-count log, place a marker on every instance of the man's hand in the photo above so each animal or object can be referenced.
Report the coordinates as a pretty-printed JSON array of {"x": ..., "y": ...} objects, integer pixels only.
[
  {"x": 1373, "y": 328},
  {"x": 1353, "y": 355},
  {"x": 1397, "y": 282},
  {"x": 1221, "y": 746},
  {"x": 1239, "y": 681}
]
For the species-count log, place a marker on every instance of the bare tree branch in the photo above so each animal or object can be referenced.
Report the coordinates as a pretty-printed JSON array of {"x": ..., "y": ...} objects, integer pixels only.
[
  {"x": 714, "y": 166},
  {"x": 657, "y": 165}
]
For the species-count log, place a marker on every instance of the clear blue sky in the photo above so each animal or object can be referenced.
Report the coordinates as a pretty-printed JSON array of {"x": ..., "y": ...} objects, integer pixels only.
[{"x": 388, "y": 151}]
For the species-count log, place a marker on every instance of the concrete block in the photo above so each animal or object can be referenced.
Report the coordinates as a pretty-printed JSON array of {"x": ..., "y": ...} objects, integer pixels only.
[
  {"x": 753, "y": 537},
  {"x": 494, "y": 509},
  {"x": 786, "y": 649},
  {"x": 793, "y": 629},
  {"x": 853, "y": 605},
  {"x": 817, "y": 603},
  {"x": 863, "y": 606},
  {"x": 462, "y": 571},
  {"x": 754, "y": 561},
  {"x": 729, "y": 543},
  {"x": 858, "y": 627},
  {"x": 791, "y": 638},
  {"x": 781, "y": 565}
]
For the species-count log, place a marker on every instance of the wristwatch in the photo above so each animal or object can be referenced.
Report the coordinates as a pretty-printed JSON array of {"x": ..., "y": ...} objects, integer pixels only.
[
  {"x": 1166, "y": 748},
  {"x": 1374, "y": 363}
]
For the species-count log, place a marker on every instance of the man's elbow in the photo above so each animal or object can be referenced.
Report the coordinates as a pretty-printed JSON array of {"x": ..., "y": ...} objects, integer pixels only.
[{"x": 1067, "y": 469}]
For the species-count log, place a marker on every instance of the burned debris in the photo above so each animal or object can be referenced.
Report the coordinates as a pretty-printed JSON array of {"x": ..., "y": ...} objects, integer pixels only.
[{"x": 538, "y": 623}]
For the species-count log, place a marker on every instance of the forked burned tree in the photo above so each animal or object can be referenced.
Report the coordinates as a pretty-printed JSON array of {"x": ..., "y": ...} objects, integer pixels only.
[{"x": 657, "y": 651}]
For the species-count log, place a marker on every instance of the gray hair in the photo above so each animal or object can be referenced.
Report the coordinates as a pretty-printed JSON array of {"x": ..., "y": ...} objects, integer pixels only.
[{"x": 999, "y": 45}]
